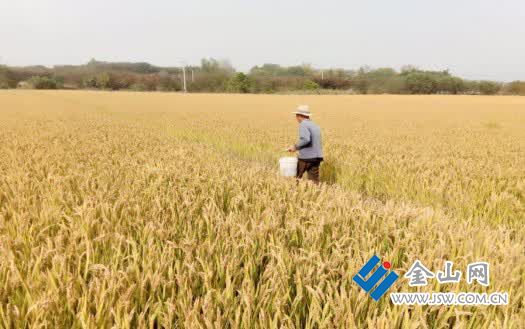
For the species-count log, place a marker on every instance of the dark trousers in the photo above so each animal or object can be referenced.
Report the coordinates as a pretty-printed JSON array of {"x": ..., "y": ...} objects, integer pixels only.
[{"x": 311, "y": 166}]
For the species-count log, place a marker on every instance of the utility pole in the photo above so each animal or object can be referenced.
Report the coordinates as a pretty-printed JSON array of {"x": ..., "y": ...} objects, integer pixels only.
[
  {"x": 192, "y": 76},
  {"x": 184, "y": 87},
  {"x": 322, "y": 75},
  {"x": 184, "y": 79}
]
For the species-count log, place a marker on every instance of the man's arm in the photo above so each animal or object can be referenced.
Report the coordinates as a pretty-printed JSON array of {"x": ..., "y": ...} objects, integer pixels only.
[{"x": 304, "y": 138}]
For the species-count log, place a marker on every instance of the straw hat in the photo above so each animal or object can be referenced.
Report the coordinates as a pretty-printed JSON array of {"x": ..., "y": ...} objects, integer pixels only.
[{"x": 303, "y": 110}]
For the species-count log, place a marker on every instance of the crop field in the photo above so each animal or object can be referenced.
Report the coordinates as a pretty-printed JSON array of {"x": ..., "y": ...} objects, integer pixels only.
[{"x": 166, "y": 210}]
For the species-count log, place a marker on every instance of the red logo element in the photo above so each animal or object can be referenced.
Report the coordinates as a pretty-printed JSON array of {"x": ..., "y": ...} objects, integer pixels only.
[{"x": 387, "y": 265}]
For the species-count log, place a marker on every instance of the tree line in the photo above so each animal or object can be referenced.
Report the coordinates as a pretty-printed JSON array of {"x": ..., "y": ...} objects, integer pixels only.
[{"x": 219, "y": 76}]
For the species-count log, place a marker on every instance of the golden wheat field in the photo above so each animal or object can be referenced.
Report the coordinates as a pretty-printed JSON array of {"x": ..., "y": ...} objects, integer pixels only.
[{"x": 166, "y": 210}]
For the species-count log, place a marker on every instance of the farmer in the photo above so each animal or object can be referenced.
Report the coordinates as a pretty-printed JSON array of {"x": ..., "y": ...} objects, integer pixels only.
[{"x": 309, "y": 145}]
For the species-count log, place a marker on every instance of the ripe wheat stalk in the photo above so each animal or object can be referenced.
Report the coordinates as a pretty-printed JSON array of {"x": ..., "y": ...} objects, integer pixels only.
[{"x": 157, "y": 210}]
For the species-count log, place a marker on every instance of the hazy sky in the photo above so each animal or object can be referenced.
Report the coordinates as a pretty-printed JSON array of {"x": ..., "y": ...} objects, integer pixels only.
[{"x": 477, "y": 39}]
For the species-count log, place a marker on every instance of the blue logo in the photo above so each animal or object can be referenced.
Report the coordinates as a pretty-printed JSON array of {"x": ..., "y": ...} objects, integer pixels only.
[{"x": 372, "y": 281}]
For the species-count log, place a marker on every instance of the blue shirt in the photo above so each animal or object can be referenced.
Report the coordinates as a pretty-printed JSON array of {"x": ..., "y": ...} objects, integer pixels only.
[{"x": 309, "y": 144}]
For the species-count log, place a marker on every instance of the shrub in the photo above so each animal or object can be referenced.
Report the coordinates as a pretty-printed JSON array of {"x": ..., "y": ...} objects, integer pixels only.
[
  {"x": 310, "y": 85},
  {"x": 333, "y": 83},
  {"x": 43, "y": 83},
  {"x": 138, "y": 87},
  {"x": 89, "y": 82},
  {"x": 515, "y": 88}
]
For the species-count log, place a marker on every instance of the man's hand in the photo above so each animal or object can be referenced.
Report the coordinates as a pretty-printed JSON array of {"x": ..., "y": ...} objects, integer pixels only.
[{"x": 292, "y": 149}]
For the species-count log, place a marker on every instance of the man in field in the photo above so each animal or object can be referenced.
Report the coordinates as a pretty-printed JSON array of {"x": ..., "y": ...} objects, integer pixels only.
[{"x": 308, "y": 145}]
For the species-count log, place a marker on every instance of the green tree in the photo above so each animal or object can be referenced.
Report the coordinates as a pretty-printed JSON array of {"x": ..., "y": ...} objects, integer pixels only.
[
  {"x": 269, "y": 70},
  {"x": 451, "y": 85},
  {"x": 515, "y": 88},
  {"x": 381, "y": 81},
  {"x": 361, "y": 82},
  {"x": 240, "y": 83},
  {"x": 43, "y": 83},
  {"x": 489, "y": 87},
  {"x": 304, "y": 70},
  {"x": 421, "y": 83},
  {"x": 7, "y": 78},
  {"x": 103, "y": 80}
]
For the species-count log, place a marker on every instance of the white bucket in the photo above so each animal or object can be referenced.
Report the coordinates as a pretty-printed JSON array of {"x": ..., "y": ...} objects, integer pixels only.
[{"x": 288, "y": 166}]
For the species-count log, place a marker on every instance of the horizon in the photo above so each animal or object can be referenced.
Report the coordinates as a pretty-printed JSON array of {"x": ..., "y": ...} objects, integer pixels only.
[
  {"x": 476, "y": 40},
  {"x": 253, "y": 66}
]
